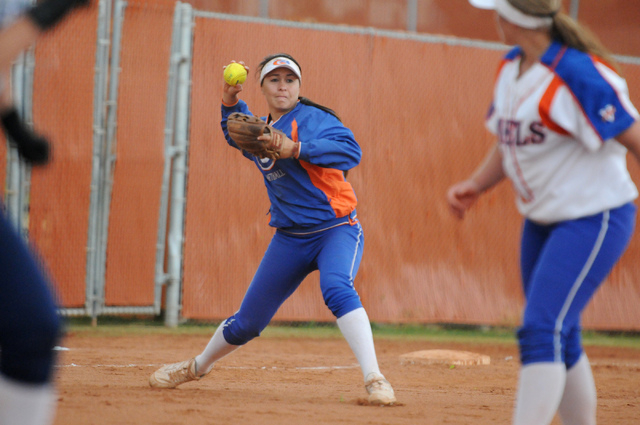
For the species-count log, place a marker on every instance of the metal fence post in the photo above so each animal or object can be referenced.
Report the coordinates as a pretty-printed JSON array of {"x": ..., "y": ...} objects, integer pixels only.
[
  {"x": 264, "y": 8},
  {"x": 575, "y": 6},
  {"x": 412, "y": 15},
  {"x": 93, "y": 300},
  {"x": 107, "y": 158},
  {"x": 161, "y": 277},
  {"x": 179, "y": 168},
  {"x": 18, "y": 173}
]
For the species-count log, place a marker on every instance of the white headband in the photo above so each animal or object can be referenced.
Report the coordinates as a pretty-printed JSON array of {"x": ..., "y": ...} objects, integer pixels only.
[
  {"x": 513, "y": 15},
  {"x": 280, "y": 62}
]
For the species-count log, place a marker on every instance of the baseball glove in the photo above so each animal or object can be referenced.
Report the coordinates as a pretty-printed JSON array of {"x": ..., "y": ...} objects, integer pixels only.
[{"x": 245, "y": 129}]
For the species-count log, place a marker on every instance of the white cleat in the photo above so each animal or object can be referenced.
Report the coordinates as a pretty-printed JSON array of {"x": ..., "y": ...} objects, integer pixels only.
[
  {"x": 172, "y": 375},
  {"x": 379, "y": 390}
]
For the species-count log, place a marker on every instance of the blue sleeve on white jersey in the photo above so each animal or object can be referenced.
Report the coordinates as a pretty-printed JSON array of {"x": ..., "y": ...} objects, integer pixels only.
[
  {"x": 598, "y": 99},
  {"x": 513, "y": 53},
  {"x": 326, "y": 142},
  {"x": 241, "y": 106}
]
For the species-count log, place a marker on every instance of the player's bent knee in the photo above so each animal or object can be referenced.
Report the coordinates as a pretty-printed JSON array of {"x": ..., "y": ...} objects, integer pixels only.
[
  {"x": 28, "y": 356},
  {"x": 341, "y": 301},
  {"x": 538, "y": 345},
  {"x": 572, "y": 347},
  {"x": 238, "y": 331},
  {"x": 344, "y": 306}
]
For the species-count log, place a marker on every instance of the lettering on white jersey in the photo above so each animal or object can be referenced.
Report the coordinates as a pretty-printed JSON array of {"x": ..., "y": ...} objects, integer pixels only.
[{"x": 510, "y": 134}]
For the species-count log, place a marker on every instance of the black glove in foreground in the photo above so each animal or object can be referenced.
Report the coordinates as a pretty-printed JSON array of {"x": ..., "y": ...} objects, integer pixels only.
[
  {"x": 49, "y": 12},
  {"x": 34, "y": 149}
]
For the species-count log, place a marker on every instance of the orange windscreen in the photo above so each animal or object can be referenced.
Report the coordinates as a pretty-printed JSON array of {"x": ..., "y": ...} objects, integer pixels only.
[
  {"x": 416, "y": 108},
  {"x": 139, "y": 146},
  {"x": 63, "y": 110}
]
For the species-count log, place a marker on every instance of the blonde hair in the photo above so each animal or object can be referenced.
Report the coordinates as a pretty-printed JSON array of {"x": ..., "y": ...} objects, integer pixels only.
[{"x": 566, "y": 29}]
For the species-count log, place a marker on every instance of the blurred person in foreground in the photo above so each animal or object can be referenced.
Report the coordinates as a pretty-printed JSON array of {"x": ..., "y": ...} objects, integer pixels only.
[
  {"x": 564, "y": 124},
  {"x": 313, "y": 209},
  {"x": 29, "y": 324}
]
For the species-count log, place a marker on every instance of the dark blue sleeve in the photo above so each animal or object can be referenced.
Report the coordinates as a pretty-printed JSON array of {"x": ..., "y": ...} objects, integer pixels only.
[{"x": 327, "y": 143}]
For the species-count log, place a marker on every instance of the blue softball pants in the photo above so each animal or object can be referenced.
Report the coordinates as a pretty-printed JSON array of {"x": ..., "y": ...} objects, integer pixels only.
[
  {"x": 29, "y": 324},
  {"x": 562, "y": 266},
  {"x": 335, "y": 253}
]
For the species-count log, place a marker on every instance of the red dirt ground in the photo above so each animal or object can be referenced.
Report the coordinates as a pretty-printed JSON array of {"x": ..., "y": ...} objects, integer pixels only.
[{"x": 279, "y": 381}]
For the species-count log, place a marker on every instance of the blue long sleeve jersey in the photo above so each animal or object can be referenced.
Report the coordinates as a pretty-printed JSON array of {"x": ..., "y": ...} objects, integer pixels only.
[{"x": 311, "y": 190}]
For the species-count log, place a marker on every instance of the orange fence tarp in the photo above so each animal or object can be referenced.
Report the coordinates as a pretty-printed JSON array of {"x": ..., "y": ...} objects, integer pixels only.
[
  {"x": 60, "y": 192},
  {"x": 416, "y": 109},
  {"x": 137, "y": 180}
]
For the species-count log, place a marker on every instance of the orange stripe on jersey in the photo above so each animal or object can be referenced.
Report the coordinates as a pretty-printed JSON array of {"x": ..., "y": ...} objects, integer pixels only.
[
  {"x": 331, "y": 181},
  {"x": 545, "y": 106},
  {"x": 294, "y": 130},
  {"x": 598, "y": 59}
]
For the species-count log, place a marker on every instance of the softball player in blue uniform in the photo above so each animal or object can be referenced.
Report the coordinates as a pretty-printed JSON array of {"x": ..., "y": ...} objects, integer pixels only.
[
  {"x": 29, "y": 324},
  {"x": 564, "y": 123},
  {"x": 313, "y": 209}
]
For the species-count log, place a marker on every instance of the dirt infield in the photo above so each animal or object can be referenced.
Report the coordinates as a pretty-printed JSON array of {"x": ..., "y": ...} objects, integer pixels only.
[{"x": 278, "y": 380}]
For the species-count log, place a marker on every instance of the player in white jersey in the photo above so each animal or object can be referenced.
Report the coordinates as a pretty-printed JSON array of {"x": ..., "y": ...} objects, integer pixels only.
[{"x": 564, "y": 124}]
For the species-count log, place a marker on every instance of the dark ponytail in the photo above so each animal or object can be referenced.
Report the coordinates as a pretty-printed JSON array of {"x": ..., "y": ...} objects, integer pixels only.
[
  {"x": 306, "y": 101},
  {"x": 568, "y": 31},
  {"x": 565, "y": 29}
]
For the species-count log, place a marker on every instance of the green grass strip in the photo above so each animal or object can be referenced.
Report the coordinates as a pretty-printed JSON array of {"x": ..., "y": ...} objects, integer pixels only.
[{"x": 118, "y": 326}]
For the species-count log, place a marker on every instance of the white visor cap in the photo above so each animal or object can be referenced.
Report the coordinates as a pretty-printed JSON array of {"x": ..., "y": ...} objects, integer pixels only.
[
  {"x": 483, "y": 4},
  {"x": 512, "y": 14},
  {"x": 280, "y": 62}
]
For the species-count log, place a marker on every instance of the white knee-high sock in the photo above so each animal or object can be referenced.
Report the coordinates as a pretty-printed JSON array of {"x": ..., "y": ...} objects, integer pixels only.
[
  {"x": 540, "y": 389},
  {"x": 216, "y": 349},
  {"x": 22, "y": 403},
  {"x": 356, "y": 329},
  {"x": 579, "y": 401}
]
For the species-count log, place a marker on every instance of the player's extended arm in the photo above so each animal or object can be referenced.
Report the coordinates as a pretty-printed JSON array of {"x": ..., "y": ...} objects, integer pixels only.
[
  {"x": 15, "y": 38},
  {"x": 631, "y": 140},
  {"x": 490, "y": 171},
  {"x": 463, "y": 194},
  {"x": 24, "y": 31},
  {"x": 18, "y": 36}
]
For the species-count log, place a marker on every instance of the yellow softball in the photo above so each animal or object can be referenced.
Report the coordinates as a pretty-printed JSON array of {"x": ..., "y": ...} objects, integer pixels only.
[{"x": 235, "y": 74}]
